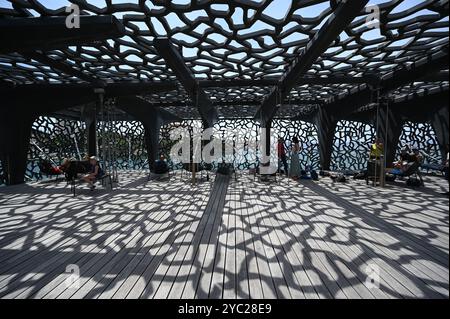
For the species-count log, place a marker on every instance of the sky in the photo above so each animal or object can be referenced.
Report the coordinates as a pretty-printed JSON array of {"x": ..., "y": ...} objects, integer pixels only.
[{"x": 277, "y": 9}]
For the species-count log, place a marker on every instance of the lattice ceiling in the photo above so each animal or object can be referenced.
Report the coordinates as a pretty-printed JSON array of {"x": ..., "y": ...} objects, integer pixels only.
[{"x": 236, "y": 40}]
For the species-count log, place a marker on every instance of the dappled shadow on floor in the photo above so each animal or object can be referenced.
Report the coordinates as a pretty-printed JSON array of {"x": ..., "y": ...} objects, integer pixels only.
[{"x": 223, "y": 239}]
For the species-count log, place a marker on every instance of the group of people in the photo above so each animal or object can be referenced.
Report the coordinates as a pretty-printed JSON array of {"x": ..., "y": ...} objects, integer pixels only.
[
  {"x": 89, "y": 166},
  {"x": 295, "y": 171},
  {"x": 409, "y": 156}
]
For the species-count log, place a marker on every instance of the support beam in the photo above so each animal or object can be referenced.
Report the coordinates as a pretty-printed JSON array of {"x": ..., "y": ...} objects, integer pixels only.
[
  {"x": 54, "y": 96},
  {"x": 439, "y": 76},
  {"x": 415, "y": 108},
  {"x": 91, "y": 125},
  {"x": 344, "y": 14},
  {"x": 389, "y": 126},
  {"x": 302, "y": 81},
  {"x": 151, "y": 139},
  {"x": 49, "y": 33},
  {"x": 326, "y": 127},
  {"x": 346, "y": 104},
  {"x": 15, "y": 134},
  {"x": 115, "y": 89},
  {"x": 143, "y": 110},
  {"x": 440, "y": 123},
  {"x": 152, "y": 119},
  {"x": 63, "y": 67},
  {"x": 176, "y": 62}
]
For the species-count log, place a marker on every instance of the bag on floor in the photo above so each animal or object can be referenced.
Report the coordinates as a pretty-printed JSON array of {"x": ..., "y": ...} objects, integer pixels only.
[
  {"x": 413, "y": 182},
  {"x": 360, "y": 176},
  {"x": 390, "y": 178},
  {"x": 339, "y": 178}
]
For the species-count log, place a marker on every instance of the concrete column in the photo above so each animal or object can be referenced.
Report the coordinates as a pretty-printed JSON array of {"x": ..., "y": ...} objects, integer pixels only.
[
  {"x": 91, "y": 126},
  {"x": 15, "y": 134},
  {"x": 326, "y": 127},
  {"x": 440, "y": 125},
  {"x": 151, "y": 134},
  {"x": 389, "y": 126}
]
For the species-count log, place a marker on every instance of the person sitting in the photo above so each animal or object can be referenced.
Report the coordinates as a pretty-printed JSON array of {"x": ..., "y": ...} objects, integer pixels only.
[
  {"x": 416, "y": 156},
  {"x": 161, "y": 166},
  {"x": 95, "y": 173},
  {"x": 407, "y": 159},
  {"x": 376, "y": 150}
]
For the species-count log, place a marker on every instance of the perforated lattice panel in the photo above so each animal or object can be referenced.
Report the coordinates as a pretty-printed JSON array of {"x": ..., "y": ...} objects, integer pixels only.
[
  {"x": 422, "y": 136},
  {"x": 123, "y": 143},
  {"x": 236, "y": 40},
  {"x": 306, "y": 133},
  {"x": 351, "y": 145},
  {"x": 166, "y": 144},
  {"x": 248, "y": 133},
  {"x": 54, "y": 139}
]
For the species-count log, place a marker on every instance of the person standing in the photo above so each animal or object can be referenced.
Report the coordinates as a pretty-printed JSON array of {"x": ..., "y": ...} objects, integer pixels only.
[
  {"x": 377, "y": 149},
  {"x": 295, "y": 160},
  {"x": 282, "y": 156}
]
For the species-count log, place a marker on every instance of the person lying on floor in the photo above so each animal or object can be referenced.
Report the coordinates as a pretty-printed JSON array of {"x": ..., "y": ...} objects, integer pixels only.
[{"x": 95, "y": 173}]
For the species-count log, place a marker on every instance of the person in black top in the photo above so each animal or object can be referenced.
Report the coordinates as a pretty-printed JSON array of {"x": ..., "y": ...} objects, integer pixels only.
[{"x": 161, "y": 166}]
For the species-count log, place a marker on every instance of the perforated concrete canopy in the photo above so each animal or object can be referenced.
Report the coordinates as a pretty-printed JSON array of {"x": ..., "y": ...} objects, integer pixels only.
[{"x": 241, "y": 58}]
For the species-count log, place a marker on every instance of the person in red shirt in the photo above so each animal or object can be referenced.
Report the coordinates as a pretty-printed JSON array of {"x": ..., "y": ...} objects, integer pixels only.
[{"x": 282, "y": 156}]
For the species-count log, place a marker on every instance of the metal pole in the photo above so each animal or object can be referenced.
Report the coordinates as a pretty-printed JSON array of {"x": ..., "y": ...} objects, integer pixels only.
[{"x": 377, "y": 134}]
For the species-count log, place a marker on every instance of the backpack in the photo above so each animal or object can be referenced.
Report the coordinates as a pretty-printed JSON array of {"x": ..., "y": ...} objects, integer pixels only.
[
  {"x": 341, "y": 179},
  {"x": 360, "y": 176},
  {"x": 390, "y": 178}
]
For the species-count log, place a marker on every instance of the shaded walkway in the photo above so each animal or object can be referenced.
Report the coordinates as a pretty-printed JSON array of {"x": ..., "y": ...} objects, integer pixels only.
[{"x": 223, "y": 239}]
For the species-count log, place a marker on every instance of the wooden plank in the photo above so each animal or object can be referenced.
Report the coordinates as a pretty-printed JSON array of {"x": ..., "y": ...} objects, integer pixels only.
[
  {"x": 123, "y": 260},
  {"x": 48, "y": 258},
  {"x": 92, "y": 266},
  {"x": 270, "y": 285},
  {"x": 415, "y": 288},
  {"x": 340, "y": 258},
  {"x": 294, "y": 257},
  {"x": 243, "y": 284},
  {"x": 253, "y": 275},
  {"x": 217, "y": 268},
  {"x": 133, "y": 286},
  {"x": 212, "y": 244},
  {"x": 204, "y": 244},
  {"x": 274, "y": 241},
  {"x": 280, "y": 255},
  {"x": 141, "y": 217},
  {"x": 162, "y": 279}
]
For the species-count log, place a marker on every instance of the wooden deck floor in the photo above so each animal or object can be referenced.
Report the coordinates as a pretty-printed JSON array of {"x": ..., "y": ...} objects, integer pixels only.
[{"x": 224, "y": 239}]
